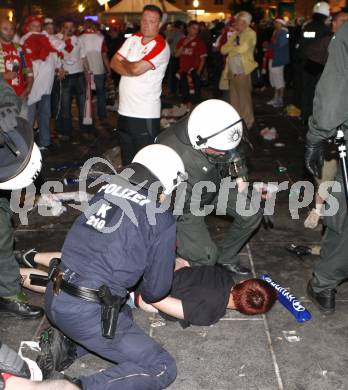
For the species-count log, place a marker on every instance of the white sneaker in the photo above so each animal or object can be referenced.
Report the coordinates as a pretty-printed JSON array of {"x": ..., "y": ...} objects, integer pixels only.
[
  {"x": 271, "y": 134},
  {"x": 272, "y": 101}
]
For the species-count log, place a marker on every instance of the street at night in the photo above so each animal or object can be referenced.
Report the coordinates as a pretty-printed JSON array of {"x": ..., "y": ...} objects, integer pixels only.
[{"x": 173, "y": 211}]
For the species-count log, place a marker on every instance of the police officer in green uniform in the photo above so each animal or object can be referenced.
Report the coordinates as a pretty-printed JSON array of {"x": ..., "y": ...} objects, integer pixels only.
[
  {"x": 20, "y": 162},
  {"x": 208, "y": 141},
  {"x": 330, "y": 110}
]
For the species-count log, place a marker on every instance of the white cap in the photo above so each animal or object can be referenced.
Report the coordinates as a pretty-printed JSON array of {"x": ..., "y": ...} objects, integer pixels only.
[{"x": 322, "y": 7}]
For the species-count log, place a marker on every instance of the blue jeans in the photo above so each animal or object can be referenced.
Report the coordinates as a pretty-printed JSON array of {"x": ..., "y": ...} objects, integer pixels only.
[
  {"x": 99, "y": 80},
  {"x": 73, "y": 85},
  {"x": 43, "y": 108},
  {"x": 140, "y": 362}
]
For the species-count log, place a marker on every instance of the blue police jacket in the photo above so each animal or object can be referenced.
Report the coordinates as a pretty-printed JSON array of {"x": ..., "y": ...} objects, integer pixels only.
[{"x": 121, "y": 241}]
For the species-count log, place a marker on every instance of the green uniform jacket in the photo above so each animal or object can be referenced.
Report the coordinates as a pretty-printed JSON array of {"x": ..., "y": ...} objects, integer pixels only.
[
  {"x": 330, "y": 109},
  {"x": 197, "y": 164},
  {"x": 7, "y": 94}
]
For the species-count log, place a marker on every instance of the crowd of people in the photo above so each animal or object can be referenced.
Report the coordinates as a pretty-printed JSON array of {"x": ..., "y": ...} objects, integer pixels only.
[
  {"x": 49, "y": 64},
  {"x": 198, "y": 56},
  {"x": 168, "y": 261}
]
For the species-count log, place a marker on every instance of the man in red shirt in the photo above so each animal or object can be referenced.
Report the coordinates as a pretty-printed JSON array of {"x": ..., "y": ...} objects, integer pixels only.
[
  {"x": 192, "y": 54},
  {"x": 15, "y": 65}
]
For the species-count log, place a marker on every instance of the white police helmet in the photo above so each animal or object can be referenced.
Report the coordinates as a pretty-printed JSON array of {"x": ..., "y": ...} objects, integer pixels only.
[
  {"x": 322, "y": 7},
  {"x": 20, "y": 158},
  {"x": 164, "y": 163},
  {"x": 215, "y": 124}
]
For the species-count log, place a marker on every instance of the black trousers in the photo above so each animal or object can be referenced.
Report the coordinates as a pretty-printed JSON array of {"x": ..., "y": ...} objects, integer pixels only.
[
  {"x": 173, "y": 82},
  {"x": 136, "y": 133},
  {"x": 309, "y": 82}
]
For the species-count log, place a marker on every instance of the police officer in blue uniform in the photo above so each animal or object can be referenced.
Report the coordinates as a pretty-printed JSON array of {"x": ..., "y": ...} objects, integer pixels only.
[{"x": 118, "y": 243}]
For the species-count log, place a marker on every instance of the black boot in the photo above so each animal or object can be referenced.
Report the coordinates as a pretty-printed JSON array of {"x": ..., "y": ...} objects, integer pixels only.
[
  {"x": 324, "y": 300},
  {"x": 57, "y": 352},
  {"x": 18, "y": 307}
]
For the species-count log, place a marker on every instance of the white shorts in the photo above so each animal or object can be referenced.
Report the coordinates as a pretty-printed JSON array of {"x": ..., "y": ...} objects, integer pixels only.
[{"x": 276, "y": 76}]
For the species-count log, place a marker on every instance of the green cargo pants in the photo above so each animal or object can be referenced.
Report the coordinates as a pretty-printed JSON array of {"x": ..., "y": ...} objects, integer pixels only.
[
  {"x": 332, "y": 268},
  {"x": 9, "y": 269},
  {"x": 195, "y": 244}
]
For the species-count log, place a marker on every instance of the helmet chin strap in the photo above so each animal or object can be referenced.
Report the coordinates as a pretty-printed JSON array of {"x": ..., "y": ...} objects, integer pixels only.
[
  {"x": 227, "y": 158},
  {"x": 6, "y": 141},
  {"x": 200, "y": 140}
]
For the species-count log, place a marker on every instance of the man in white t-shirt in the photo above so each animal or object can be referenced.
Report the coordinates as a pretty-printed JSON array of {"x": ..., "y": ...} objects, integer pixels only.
[
  {"x": 73, "y": 82},
  {"x": 141, "y": 61},
  {"x": 96, "y": 53}
]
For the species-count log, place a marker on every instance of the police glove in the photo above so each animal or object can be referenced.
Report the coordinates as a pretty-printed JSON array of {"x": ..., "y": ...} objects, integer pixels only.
[
  {"x": 8, "y": 116},
  {"x": 314, "y": 157}
]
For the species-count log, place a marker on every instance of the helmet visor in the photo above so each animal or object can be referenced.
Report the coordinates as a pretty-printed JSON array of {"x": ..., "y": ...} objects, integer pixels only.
[{"x": 233, "y": 137}]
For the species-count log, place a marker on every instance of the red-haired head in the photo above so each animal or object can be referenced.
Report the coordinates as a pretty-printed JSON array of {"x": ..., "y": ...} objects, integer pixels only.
[{"x": 253, "y": 296}]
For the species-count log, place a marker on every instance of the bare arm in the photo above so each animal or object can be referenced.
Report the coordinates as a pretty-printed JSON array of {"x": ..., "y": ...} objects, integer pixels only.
[
  {"x": 169, "y": 305},
  {"x": 9, "y": 75},
  {"x": 44, "y": 258},
  {"x": 26, "y": 282},
  {"x": 127, "y": 68},
  {"x": 179, "y": 51},
  {"x": 106, "y": 63},
  {"x": 14, "y": 383},
  {"x": 85, "y": 64},
  {"x": 30, "y": 81}
]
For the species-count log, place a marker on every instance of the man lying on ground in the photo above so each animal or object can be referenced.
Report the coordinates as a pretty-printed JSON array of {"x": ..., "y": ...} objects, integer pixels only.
[{"x": 199, "y": 295}]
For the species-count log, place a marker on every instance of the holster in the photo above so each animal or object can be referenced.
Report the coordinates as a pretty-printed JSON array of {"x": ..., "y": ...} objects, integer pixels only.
[
  {"x": 110, "y": 307},
  {"x": 55, "y": 274}
]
